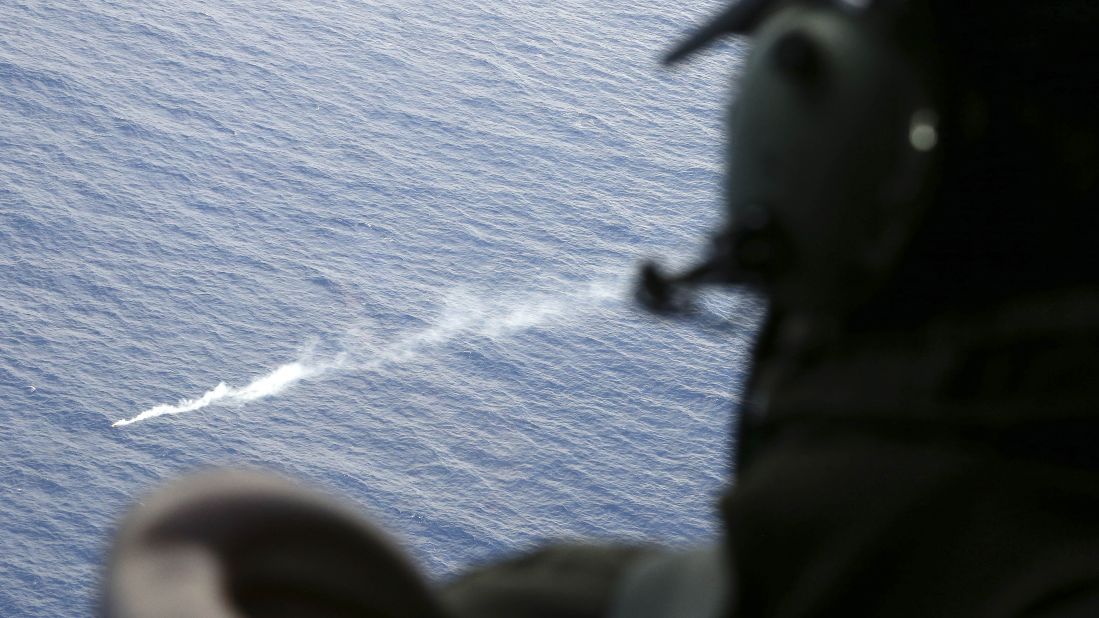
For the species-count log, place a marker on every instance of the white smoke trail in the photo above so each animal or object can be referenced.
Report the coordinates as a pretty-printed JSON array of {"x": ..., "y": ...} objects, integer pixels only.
[
  {"x": 464, "y": 314},
  {"x": 270, "y": 384}
]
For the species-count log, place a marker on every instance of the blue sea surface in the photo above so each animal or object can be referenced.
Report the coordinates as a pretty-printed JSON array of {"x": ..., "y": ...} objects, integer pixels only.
[{"x": 400, "y": 232}]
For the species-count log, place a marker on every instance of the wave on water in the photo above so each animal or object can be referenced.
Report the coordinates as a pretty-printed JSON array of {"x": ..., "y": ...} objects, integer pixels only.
[{"x": 463, "y": 314}]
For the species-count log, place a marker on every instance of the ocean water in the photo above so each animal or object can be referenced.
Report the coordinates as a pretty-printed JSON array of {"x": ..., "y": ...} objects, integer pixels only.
[{"x": 381, "y": 246}]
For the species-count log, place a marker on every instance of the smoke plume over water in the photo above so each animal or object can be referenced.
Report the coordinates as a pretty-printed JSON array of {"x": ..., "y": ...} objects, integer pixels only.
[{"x": 464, "y": 314}]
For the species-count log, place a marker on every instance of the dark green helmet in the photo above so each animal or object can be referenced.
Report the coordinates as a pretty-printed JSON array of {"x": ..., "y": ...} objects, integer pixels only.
[
  {"x": 831, "y": 148},
  {"x": 880, "y": 157}
]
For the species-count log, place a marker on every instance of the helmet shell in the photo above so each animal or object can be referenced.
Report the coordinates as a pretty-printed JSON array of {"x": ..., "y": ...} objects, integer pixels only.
[{"x": 833, "y": 139}]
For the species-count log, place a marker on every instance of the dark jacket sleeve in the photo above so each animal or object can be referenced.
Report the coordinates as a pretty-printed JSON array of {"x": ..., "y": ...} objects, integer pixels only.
[{"x": 559, "y": 581}]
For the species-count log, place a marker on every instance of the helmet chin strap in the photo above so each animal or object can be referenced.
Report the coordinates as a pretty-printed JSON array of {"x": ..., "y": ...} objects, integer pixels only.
[
  {"x": 665, "y": 293},
  {"x": 749, "y": 252}
]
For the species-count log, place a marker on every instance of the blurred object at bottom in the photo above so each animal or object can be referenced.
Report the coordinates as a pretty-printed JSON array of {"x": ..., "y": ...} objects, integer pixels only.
[{"x": 239, "y": 544}]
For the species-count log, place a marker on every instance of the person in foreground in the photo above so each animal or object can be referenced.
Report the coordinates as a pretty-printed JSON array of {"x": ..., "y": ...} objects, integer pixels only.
[{"x": 914, "y": 185}]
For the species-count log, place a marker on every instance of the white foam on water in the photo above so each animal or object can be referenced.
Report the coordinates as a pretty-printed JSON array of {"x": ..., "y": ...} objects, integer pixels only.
[{"x": 464, "y": 314}]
